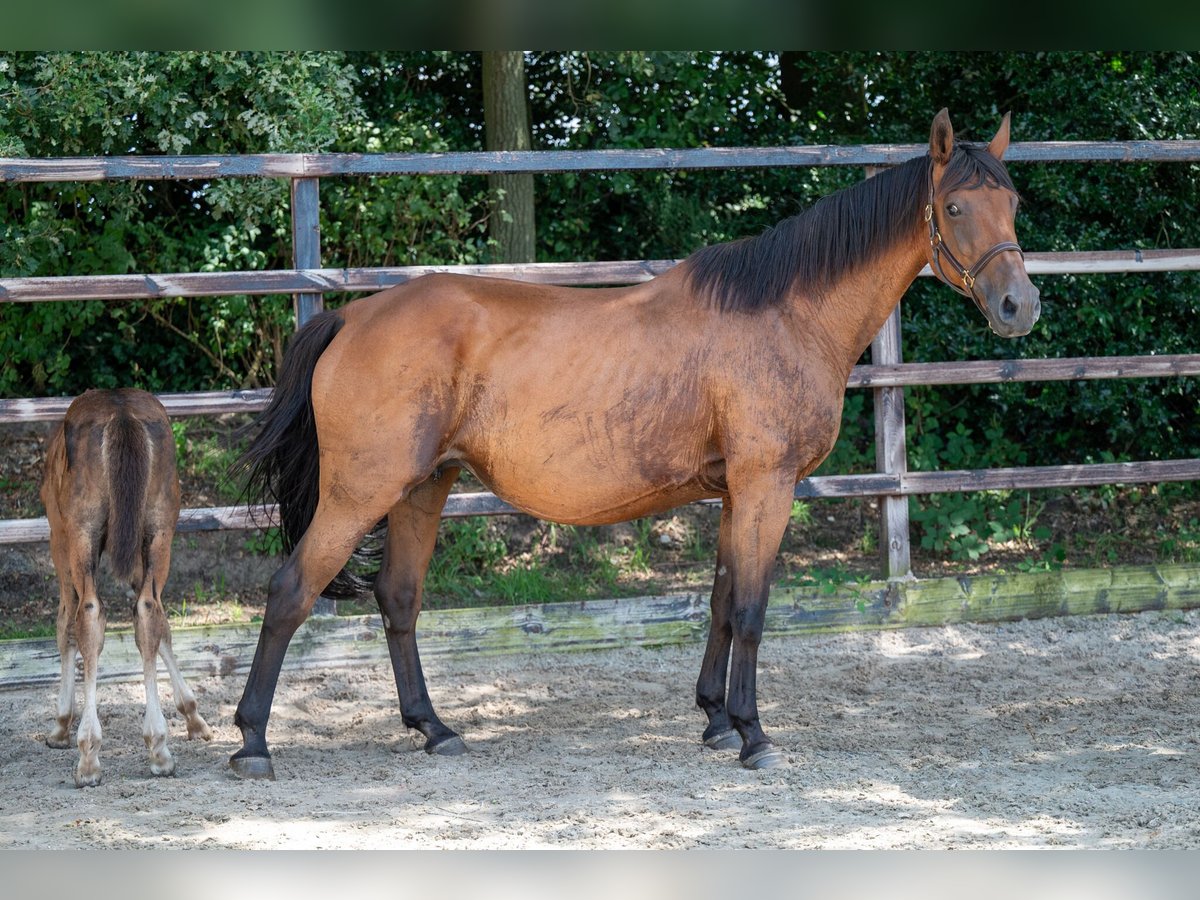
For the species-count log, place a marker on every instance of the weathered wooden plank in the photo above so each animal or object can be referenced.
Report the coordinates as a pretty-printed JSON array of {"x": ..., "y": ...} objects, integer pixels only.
[
  {"x": 290, "y": 281},
  {"x": 199, "y": 403},
  {"x": 1050, "y": 476},
  {"x": 301, "y": 165},
  {"x": 325, "y": 642},
  {"x": 1068, "y": 592},
  {"x": 1006, "y": 370},
  {"x": 326, "y": 280}
]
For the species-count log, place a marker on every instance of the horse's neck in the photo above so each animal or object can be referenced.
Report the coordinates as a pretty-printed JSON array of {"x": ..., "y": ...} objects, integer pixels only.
[{"x": 858, "y": 305}]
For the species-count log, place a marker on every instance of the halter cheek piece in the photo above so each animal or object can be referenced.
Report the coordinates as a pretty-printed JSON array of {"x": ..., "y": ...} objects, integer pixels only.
[{"x": 968, "y": 276}]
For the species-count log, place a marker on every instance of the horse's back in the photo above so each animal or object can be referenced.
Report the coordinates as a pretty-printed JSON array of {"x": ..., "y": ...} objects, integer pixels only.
[
  {"x": 577, "y": 405},
  {"x": 111, "y": 442}
]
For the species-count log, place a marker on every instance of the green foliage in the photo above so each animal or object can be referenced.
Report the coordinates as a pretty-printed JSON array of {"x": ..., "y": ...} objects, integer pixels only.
[
  {"x": 467, "y": 551},
  {"x": 60, "y": 104}
]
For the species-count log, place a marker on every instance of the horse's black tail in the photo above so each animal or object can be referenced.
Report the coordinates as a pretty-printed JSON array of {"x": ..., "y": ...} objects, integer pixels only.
[
  {"x": 281, "y": 464},
  {"x": 128, "y": 452}
]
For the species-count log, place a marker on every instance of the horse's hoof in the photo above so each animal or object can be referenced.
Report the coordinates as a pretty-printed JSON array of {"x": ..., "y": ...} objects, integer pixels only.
[
  {"x": 726, "y": 740},
  {"x": 451, "y": 746},
  {"x": 252, "y": 768},
  {"x": 766, "y": 758},
  {"x": 90, "y": 780},
  {"x": 58, "y": 743}
]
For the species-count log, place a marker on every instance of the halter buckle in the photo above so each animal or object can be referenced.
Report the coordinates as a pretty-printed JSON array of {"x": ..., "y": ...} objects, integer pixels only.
[{"x": 928, "y": 211}]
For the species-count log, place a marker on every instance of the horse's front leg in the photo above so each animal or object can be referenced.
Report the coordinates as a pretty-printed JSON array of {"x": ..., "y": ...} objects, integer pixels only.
[
  {"x": 412, "y": 533},
  {"x": 759, "y": 515},
  {"x": 710, "y": 687}
]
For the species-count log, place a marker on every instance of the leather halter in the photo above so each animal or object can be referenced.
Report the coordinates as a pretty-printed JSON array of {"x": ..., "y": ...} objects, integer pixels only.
[{"x": 939, "y": 248}]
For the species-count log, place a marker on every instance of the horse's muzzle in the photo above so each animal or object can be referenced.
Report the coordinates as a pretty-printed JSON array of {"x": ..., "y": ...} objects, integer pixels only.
[{"x": 1015, "y": 311}]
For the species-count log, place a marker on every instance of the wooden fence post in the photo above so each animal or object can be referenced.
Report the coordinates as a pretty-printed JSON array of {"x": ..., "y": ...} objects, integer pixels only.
[
  {"x": 891, "y": 455},
  {"x": 306, "y": 242},
  {"x": 306, "y": 254}
]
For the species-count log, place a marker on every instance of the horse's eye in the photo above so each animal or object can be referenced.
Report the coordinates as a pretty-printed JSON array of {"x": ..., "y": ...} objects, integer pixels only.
[{"x": 953, "y": 209}]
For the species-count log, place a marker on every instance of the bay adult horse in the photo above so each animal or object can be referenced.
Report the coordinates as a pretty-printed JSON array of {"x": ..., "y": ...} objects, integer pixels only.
[
  {"x": 110, "y": 487},
  {"x": 723, "y": 377}
]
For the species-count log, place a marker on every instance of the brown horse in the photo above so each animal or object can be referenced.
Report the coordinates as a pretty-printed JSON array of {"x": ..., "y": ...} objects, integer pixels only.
[
  {"x": 111, "y": 487},
  {"x": 723, "y": 377}
]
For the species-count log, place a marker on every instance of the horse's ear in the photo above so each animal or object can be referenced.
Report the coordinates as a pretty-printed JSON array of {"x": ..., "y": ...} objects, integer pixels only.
[
  {"x": 1000, "y": 142},
  {"x": 941, "y": 139}
]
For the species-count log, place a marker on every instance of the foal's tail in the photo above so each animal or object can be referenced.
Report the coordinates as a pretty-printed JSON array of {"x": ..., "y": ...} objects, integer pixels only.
[
  {"x": 281, "y": 464},
  {"x": 128, "y": 450}
]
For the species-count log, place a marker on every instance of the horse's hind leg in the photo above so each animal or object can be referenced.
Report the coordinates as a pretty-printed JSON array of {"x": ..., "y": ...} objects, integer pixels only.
[
  {"x": 89, "y": 633},
  {"x": 326, "y": 546},
  {"x": 710, "y": 687},
  {"x": 412, "y": 533},
  {"x": 153, "y": 635},
  {"x": 185, "y": 699},
  {"x": 60, "y": 736}
]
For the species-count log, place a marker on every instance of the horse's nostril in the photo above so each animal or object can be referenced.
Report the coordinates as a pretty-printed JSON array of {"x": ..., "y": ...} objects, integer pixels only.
[{"x": 1008, "y": 308}]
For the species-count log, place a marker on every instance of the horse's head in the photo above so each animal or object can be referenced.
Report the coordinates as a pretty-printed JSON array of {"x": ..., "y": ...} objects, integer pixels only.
[{"x": 972, "y": 244}]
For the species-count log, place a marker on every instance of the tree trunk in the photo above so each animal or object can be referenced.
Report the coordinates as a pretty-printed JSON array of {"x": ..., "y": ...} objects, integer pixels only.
[{"x": 506, "y": 127}]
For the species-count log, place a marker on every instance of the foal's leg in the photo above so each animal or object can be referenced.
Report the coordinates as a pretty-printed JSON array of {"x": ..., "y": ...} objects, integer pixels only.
[
  {"x": 760, "y": 515},
  {"x": 331, "y": 537},
  {"x": 185, "y": 699},
  {"x": 710, "y": 687},
  {"x": 89, "y": 634},
  {"x": 60, "y": 736},
  {"x": 153, "y": 636},
  {"x": 412, "y": 533},
  {"x": 148, "y": 630}
]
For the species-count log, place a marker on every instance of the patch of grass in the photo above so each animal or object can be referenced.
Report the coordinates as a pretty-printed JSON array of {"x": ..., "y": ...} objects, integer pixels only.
[
  {"x": 268, "y": 542},
  {"x": 801, "y": 514},
  {"x": 34, "y": 630},
  {"x": 205, "y": 455}
]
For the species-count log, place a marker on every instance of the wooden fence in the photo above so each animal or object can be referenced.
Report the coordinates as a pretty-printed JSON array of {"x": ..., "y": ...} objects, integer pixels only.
[{"x": 307, "y": 281}]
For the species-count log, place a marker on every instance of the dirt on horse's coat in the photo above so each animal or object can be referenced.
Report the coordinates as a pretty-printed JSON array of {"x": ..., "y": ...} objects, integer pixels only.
[{"x": 722, "y": 378}]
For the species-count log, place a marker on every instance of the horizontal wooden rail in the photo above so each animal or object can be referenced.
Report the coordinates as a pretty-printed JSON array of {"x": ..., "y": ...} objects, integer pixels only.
[
  {"x": 19, "y": 531},
  {"x": 291, "y": 281},
  {"x": 321, "y": 165},
  {"x": 199, "y": 403},
  {"x": 999, "y": 371},
  {"x": 1086, "y": 368}
]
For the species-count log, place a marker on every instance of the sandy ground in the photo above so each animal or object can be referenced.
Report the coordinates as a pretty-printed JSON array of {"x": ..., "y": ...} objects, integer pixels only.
[{"x": 1078, "y": 732}]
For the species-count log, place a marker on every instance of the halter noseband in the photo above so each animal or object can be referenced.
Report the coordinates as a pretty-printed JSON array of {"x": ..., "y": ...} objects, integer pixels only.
[{"x": 968, "y": 276}]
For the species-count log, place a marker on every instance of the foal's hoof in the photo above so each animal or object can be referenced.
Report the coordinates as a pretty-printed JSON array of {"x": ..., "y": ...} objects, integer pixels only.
[
  {"x": 726, "y": 740},
  {"x": 451, "y": 746},
  {"x": 767, "y": 758},
  {"x": 252, "y": 768}
]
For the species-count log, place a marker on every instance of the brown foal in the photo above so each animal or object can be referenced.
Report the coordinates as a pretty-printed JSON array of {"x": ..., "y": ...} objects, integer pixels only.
[{"x": 110, "y": 487}]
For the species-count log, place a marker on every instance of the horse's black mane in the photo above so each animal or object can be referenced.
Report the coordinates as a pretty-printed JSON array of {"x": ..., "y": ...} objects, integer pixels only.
[{"x": 811, "y": 251}]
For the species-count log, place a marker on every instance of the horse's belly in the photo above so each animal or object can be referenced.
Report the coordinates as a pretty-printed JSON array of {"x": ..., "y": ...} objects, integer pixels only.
[{"x": 577, "y": 494}]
